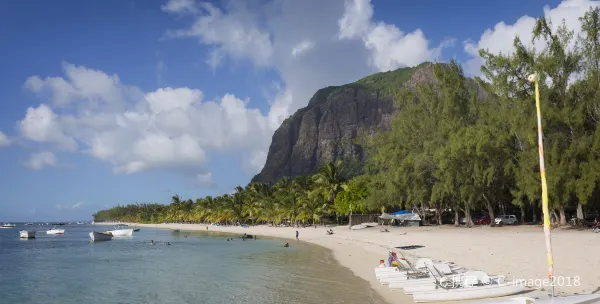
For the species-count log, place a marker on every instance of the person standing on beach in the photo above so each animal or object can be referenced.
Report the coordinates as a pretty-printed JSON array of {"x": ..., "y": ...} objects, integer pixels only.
[{"x": 297, "y": 234}]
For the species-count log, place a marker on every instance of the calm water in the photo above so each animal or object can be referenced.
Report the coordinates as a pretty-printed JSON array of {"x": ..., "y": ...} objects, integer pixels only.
[{"x": 199, "y": 268}]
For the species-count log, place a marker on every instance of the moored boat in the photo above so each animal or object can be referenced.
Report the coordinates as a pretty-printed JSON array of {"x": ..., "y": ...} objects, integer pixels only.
[
  {"x": 55, "y": 231},
  {"x": 136, "y": 229},
  {"x": 27, "y": 234},
  {"x": 100, "y": 236},
  {"x": 8, "y": 225},
  {"x": 576, "y": 299},
  {"x": 359, "y": 227},
  {"x": 467, "y": 293},
  {"x": 120, "y": 232}
]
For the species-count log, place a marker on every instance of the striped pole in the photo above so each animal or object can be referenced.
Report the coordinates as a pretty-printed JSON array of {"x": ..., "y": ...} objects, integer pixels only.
[{"x": 535, "y": 78}]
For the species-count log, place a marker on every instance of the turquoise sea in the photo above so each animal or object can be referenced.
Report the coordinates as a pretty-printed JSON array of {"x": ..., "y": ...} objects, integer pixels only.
[{"x": 197, "y": 267}]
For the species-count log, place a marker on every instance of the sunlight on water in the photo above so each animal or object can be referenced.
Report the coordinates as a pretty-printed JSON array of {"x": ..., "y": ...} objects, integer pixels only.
[{"x": 199, "y": 268}]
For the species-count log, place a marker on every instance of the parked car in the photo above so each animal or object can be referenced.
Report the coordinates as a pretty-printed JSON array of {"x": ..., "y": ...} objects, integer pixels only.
[
  {"x": 591, "y": 220},
  {"x": 476, "y": 219},
  {"x": 482, "y": 220},
  {"x": 506, "y": 220}
]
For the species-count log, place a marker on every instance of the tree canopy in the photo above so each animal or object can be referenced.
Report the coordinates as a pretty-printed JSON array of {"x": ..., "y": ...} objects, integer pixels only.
[{"x": 455, "y": 144}]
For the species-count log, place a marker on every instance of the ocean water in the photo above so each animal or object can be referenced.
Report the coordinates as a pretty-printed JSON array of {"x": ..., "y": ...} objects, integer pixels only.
[{"x": 197, "y": 267}]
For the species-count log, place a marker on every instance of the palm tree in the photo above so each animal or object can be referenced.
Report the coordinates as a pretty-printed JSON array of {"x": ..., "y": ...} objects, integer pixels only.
[{"x": 329, "y": 180}]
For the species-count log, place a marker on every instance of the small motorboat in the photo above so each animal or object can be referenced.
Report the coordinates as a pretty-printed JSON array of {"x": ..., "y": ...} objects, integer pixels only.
[
  {"x": 7, "y": 225},
  {"x": 29, "y": 224},
  {"x": 55, "y": 231},
  {"x": 27, "y": 234},
  {"x": 100, "y": 236},
  {"x": 119, "y": 231},
  {"x": 136, "y": 229},
  {"x": 176, "y": 230}
]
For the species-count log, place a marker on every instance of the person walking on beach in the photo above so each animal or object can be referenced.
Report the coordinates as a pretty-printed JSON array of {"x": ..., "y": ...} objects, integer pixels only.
[{"x": 297, "y": 234}]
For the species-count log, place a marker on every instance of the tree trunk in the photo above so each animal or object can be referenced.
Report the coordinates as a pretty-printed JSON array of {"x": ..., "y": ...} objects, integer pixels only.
[
  {"x": 424, "y": 214},
  {"x": 439, "y": 216},
  {"x": 563, "y": 216},
  {"x": 533, "y": 213},
  {"x": 579, "y": 213},
  {"x": 350, "y": 219},
  {"x": 456, "y": 214},
  {"x": 522, "y": 214},
  {"x": 490, "y": 209},
  {"x": 468, "y": 221},
  {"x": 553, "y": 216}
]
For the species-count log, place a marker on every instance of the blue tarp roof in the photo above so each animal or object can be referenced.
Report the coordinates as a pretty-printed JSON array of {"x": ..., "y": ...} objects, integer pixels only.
[{"x": 400, "y": 212}]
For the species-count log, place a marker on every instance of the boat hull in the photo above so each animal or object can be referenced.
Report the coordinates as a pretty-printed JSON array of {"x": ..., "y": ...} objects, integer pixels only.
[
  {"x": 100, "y": 236},
  {"x": 121, "y": 232},
  {"x": 27, "y": 234},
  {"x": 55, "y": 231},
  {"x": 577, "y": 299},
  {"x": 468, "y": 293}
]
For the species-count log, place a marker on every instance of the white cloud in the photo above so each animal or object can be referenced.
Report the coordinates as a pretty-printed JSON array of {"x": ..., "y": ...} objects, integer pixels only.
[
  {"x": 302, "y": 47},
  {"x": 169, "y": 128},
  {"x": 500, "y": 38},
  {"x": 4, "y": 140},
  {"x": 42, "y": 125},
  {"x": 390, "y": 47},
  {"x": 40, "y": 160},
  {"x": 90, "y": 88},
  {"x": 333, "y": 45},
  {"x": 179, "y": 6},
  {"x": 232, "y": 33},
  {"x": 356, "y": 20},
  {"x": 74, "y": 206}
]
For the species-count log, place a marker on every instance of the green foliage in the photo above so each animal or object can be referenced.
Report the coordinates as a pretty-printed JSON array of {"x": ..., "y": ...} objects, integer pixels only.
[{"x": 454, "y": 143}]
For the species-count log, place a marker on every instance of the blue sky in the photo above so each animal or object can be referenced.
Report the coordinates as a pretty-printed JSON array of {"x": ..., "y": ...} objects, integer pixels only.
[{"x": 108, "y": 102}]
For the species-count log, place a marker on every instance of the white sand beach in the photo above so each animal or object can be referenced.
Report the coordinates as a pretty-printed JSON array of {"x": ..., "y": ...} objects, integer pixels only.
[{"x": 515, "y": 252}]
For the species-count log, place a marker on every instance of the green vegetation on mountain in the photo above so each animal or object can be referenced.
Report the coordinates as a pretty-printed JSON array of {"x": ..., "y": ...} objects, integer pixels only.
[{"x": 443, "y": 142}]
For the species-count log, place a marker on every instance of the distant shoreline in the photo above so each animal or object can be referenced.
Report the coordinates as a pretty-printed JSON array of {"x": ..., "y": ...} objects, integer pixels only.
[{"x": 515, "y": 252}]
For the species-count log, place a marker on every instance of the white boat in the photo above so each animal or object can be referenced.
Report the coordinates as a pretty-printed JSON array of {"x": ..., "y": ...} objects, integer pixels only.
[
  {"x": 7, "y": 225},
  {"x": 55, "y": 231},
  {"x": 121, "y": 232},
  {"x": 467, "y": 293},
  {"x": 100, "y": 236},
  {"x": 359, "y": 226},
  {"x": 578, "y": 299},
  {"x": 27, "y": 234},
  {"x": 29, "y": 224}
]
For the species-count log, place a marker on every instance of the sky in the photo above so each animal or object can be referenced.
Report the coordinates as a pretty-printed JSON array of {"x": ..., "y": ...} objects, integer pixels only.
[{"x": 124, "y": 101}]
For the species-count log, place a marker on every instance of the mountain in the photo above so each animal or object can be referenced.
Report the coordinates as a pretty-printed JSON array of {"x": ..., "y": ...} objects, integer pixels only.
[{"x": 326, "y": 130}]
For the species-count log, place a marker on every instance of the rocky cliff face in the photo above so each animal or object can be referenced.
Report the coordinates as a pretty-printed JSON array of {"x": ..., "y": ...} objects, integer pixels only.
[{"x": 326, "y": 130}]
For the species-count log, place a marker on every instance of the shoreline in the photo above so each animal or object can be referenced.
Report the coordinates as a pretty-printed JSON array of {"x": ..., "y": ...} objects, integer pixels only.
[{"x": 516, "y": 252}]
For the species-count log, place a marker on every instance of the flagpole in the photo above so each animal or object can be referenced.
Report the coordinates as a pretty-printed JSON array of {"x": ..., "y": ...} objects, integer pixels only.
[{"x": 535, "y": 78}]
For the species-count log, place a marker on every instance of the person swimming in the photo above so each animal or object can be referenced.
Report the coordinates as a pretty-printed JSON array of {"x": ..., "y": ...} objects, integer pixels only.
[
  {"x": 286, "y": 245},
  {"x": 151, "y": 242}
]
